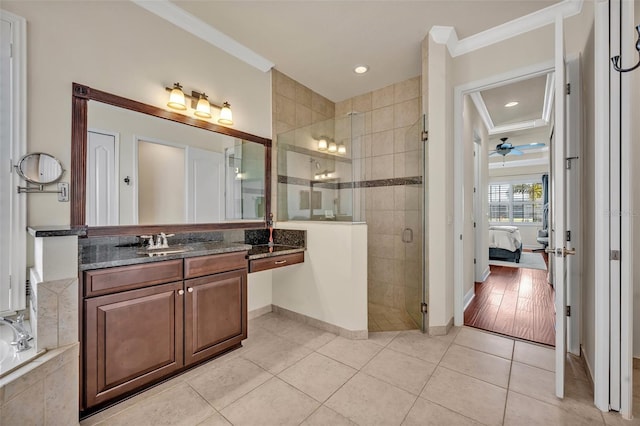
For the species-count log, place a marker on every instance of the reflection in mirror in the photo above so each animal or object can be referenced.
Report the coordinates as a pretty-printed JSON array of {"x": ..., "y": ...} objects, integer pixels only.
[
  {"x": 145, "y": 170},
  {"x": 40, "y": 168}
]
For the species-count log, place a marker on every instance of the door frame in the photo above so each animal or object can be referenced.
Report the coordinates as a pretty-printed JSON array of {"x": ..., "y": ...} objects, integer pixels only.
[{"x": 458, "y": 101}]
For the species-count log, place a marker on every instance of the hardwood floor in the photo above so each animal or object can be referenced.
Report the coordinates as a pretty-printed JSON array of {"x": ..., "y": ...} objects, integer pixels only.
[{"x": 516, "y": 302}]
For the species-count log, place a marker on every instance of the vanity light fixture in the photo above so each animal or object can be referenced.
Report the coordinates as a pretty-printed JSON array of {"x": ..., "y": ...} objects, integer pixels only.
[
  {"x": 342, "y": 150},
  {"x": 200, "y": 104},
  {"x": 332, "y": 147}
]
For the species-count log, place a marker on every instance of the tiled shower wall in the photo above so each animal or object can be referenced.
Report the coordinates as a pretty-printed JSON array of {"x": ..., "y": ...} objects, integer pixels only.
[
  {"x": 391, "y": 150},
  {"x": 294, "y": 106},
  {"x": 386, "y": 149}
]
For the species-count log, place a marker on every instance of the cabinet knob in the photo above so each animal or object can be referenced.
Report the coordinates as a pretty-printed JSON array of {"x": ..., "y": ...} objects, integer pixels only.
[
  {"x": 190, "y": 289},
  {"x": 180, "y": 292}
]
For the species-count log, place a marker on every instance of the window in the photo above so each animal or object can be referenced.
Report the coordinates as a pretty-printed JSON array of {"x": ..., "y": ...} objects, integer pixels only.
[{"x": 515, "y": 203}]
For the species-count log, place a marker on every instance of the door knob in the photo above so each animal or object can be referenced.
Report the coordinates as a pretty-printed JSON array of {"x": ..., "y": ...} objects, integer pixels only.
[
  {"x": 564, "y": 252},
  {"x": 190, "y": 289},
  {"x": 180, "y": 292}
]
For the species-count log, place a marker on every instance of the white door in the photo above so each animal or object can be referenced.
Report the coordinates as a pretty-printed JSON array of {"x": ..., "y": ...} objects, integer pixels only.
[
  {"x": 558, "y": 226},
  {"x": 102, "y": 182},
  {"x": 205, "y": 186}
]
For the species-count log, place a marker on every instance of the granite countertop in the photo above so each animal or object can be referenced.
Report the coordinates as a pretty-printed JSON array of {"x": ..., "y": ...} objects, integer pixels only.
[
  {"x": 56, "y": 231},
  {"x": 106, "y": 256},
  {"x": 263, "y": 250}
]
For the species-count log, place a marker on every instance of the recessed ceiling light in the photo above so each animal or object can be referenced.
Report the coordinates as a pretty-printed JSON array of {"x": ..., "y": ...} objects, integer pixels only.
[
  {"x": 511, "y": 104},
  {"x": 361, "y": 69}
]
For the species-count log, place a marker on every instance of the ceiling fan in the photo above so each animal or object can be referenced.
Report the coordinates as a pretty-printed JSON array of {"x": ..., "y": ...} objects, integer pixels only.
[{"x": 505, "y": 148}]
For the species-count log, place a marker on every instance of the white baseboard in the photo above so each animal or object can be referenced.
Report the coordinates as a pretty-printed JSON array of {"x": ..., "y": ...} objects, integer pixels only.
[
  {"x": 468, "y": 297},
  {"x": 588, "y": 365},
  {"x": 485, "y": 274}
]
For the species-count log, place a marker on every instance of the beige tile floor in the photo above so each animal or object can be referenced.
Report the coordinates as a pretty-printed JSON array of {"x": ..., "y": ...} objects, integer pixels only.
[
  {"x": 289, "y": 373},
  {"x": 384, "y": 318}
]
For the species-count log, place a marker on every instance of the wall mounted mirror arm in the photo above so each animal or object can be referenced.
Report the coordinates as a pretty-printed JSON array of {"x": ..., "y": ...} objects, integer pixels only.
[{"x": 40, "y": 169}]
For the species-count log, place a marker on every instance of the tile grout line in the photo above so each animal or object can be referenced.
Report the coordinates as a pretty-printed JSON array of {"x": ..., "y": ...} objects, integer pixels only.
[{"x": 506, "y": 399}]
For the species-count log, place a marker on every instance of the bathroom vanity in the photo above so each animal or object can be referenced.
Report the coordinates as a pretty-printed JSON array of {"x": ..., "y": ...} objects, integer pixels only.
[
  {"x": 148, "y": 314},
  {"x": 146, "y": 317}
]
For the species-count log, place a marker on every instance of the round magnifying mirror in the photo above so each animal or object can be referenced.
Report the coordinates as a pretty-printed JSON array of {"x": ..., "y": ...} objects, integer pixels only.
[{"x": 40, "y": 168}]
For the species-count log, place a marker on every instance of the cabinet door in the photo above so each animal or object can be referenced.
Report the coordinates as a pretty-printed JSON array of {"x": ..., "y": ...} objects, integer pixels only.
[
  {"x": 215, "y": 314},
  {"x": 132, "y": 338}
]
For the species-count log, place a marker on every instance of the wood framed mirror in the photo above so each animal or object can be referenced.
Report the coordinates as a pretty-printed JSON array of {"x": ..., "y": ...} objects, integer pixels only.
[{"x": 242, "y": 166}]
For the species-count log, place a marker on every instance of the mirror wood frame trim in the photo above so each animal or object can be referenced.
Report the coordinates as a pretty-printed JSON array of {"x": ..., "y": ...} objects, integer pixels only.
[{"x": 80, "y": 97}]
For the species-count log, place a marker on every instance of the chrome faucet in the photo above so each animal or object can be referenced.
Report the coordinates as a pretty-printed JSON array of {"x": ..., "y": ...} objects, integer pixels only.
[
  {"x": 160, "y": 242},
  {"x": 21, "y": 336}
]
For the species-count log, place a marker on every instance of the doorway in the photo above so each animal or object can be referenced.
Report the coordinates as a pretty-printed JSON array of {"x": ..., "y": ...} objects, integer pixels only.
[{"x": 507, "y": 126}]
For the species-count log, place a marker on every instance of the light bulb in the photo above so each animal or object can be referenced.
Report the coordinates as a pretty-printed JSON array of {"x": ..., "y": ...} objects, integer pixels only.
[
  {"x": 176, "y": 98},
  {"x": 333, "y": 147},
  {"x": 203, "y": 109},
  {"x": 342, "y": 150},
  {"x": 322, "y": 145},
  {"x": 226, "y": 116}
]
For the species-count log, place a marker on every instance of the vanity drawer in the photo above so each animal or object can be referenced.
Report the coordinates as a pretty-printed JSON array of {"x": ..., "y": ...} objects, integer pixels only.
[
  {"x": 263, "y": 264},
  {"x": 111, "y": 280},
  {"x": 216, "y": 263}
]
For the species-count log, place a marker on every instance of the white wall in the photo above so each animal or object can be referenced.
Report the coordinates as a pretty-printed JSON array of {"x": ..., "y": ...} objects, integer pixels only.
[
  {"x": 259, "y": 292},
  {"x": 331, "y": 284},
  {"x": 472, "y": 126},
  {"x": 161, "y": 183},
  {"x": 439, "y": 185},
  {"x": 120, "y": 48}
]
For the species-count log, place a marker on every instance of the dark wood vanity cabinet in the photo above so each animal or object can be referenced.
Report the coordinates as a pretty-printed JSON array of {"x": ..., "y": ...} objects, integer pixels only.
[
  {"x": 132, "y": 338},
  {"x": 215, "y": 314},
  {"x": 148, "y": 326}
]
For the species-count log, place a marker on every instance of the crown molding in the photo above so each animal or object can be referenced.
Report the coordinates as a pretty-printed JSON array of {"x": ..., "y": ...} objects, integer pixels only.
[
  {"x": 549, "y": 90},
  {"x": 521, "y": 25},
  {"x": 481, "y": 106},
  {"x": 183, "y": 19},
  {"x": 514, "y": 127}
]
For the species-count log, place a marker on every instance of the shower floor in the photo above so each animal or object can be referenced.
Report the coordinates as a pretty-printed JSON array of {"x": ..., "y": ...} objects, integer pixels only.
[{"x": 384, "y": 318}]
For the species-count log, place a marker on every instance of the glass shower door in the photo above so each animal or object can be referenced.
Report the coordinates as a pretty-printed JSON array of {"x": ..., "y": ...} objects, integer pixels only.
[{"x": 413, "y": 234}]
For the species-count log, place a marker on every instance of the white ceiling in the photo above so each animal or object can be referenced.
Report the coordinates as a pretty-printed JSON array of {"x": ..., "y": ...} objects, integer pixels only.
[
  {"x": 318, "y": 43},
  {"x": 528, "y": 93}
]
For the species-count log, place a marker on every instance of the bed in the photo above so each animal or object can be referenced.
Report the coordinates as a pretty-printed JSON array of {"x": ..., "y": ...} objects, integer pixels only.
[{"x": 505, "y": 243}]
